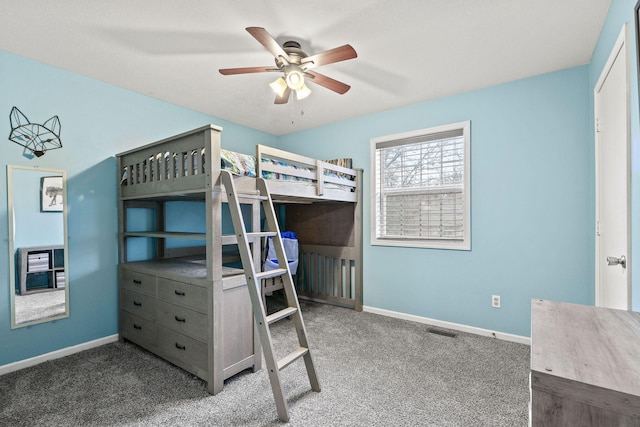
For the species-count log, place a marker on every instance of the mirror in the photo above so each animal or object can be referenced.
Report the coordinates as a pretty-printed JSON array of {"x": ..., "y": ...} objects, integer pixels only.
[{"x": 38, "y": 255}]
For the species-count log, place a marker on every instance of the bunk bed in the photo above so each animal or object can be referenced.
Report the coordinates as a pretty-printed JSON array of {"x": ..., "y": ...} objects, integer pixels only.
[{"x": 188, "y": 303}]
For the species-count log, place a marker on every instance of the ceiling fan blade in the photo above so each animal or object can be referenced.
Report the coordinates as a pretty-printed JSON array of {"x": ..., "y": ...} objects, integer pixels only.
[
  {"x": 338, "y": 54},
  {"x": 268, "y": 42},
  {"x": 328, "y": 82},
  {"x": 246, "y": 70},
  {"x": 284, "y": 98}
]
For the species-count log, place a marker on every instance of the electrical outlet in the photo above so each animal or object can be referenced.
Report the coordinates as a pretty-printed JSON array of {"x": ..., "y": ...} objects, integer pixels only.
[{"x": 495, "y": 301}]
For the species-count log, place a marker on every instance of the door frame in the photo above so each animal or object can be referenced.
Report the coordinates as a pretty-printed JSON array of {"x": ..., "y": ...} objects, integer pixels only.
[{"x": 621, "y": 45}]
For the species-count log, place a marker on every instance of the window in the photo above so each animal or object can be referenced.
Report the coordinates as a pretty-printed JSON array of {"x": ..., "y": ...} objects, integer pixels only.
[{"x": 422, "y": 191}]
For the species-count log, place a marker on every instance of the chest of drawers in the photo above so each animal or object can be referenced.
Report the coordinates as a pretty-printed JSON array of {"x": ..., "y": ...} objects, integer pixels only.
[{"x": 174, "y": 317}]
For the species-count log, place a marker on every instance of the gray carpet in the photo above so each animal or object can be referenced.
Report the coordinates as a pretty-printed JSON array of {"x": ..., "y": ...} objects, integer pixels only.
[
  {"x": 374, "y": 371},
  {"x": 39, "y": 305}
]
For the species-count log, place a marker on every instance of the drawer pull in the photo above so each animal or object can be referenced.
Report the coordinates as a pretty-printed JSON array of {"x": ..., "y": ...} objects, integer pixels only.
[
  {"x": 137, "y": 282},
  {"x": 180, "y": 347},
  {"x": 179, "y": 293},
  {"x": 180, "y": 319},
  {"x": 137, "y": 304},
  {"x": 136, "y": 326}
]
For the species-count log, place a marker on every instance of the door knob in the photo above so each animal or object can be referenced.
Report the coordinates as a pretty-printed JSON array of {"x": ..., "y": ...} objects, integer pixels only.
[{"x": 611, "y": 260}]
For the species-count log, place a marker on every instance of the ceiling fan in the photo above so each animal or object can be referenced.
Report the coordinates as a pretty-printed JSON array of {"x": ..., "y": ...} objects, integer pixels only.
[{"x": 296, "y": 65}]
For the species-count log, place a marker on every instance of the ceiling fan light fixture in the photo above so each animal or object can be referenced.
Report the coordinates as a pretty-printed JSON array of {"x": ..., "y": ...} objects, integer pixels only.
[
  {"x": 295, "y": 79},
  {"x": 278, "y": 86},
  {"x": 303, "y": 92}
]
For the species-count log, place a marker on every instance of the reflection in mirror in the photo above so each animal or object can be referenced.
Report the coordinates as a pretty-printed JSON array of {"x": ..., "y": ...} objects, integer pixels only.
[{"x": 36, "y": 204}]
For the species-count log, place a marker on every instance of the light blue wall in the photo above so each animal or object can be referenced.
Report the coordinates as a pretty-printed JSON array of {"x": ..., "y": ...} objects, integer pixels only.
[
  {"x": 532, "y": 203},
  {"x": 620, "y": 13},
  {"x": 98, "y": 120}
]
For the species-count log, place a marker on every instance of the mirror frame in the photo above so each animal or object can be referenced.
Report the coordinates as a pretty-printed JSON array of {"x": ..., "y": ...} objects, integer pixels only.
[{"x": 12, "y": 249}]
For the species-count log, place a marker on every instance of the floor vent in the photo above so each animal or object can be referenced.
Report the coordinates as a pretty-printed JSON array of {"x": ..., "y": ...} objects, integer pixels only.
[{"x": 443, "y": 333}]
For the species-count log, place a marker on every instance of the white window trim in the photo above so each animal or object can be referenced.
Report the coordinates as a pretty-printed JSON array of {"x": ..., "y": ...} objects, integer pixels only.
[{"x": 465, "y": 243}]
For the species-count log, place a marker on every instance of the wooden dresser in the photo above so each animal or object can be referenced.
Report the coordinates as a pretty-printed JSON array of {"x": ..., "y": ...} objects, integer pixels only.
[
  {"x": 164, "y": 307},
  {"x": 585, "y": 365}
]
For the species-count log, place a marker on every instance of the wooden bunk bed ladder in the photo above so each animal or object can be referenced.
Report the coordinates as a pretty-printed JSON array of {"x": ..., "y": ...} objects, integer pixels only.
[{"x": 254, "y": 280}]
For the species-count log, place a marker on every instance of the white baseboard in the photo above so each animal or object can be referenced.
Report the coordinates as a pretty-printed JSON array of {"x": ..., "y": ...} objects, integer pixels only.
[
  {"x": 449, "y": 325},
  {"x": 21, "y": 364}
]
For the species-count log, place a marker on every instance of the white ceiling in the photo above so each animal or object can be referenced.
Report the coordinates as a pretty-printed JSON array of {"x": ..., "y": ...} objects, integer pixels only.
[{"x": 408, "y": 50}]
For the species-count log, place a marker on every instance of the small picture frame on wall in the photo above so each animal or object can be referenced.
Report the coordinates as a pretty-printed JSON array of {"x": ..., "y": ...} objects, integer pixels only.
[{"x": 51, "y": 194}]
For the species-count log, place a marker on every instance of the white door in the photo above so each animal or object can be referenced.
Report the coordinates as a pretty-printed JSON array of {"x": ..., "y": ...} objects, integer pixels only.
[{"x": 612, "y": 180}]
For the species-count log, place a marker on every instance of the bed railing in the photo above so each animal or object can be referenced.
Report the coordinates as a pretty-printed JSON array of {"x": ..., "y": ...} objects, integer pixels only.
[
  {"x": 330, "y": 274},
  {"x": 190, "y": 163},
  {"x": 173, "y": 165},
  {"x": 302, "y": 168}
]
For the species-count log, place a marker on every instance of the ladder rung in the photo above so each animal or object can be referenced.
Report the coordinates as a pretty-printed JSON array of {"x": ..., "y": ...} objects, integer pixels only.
[
  {"x": 279, "y": 315},
  {"x": 261, "y": 234},
  {"x": 271, "y": 273},
  {"x": 292, "y": 357}
]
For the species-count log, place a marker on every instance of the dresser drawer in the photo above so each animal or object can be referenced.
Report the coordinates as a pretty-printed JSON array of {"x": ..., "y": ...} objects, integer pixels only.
[
  {"x": 191, "y": 296},
  {"x": 137, "y": 329},
  {"x": 138, "y": 304},
  {"x": 138, "y": 282},
  {"x": 183, "y": 320},
  {"x": 183, "y": 351}
]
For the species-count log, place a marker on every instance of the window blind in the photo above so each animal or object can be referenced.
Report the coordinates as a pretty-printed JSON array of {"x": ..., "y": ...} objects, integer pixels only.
[{"x": 420, "y": 187}]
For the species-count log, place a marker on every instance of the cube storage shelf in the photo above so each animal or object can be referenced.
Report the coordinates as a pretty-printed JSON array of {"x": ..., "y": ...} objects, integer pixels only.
[{"x": 40, "y": 269}]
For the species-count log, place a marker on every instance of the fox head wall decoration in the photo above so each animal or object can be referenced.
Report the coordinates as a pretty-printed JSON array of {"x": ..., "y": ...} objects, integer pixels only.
[{"x": 34, "y": 137}]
